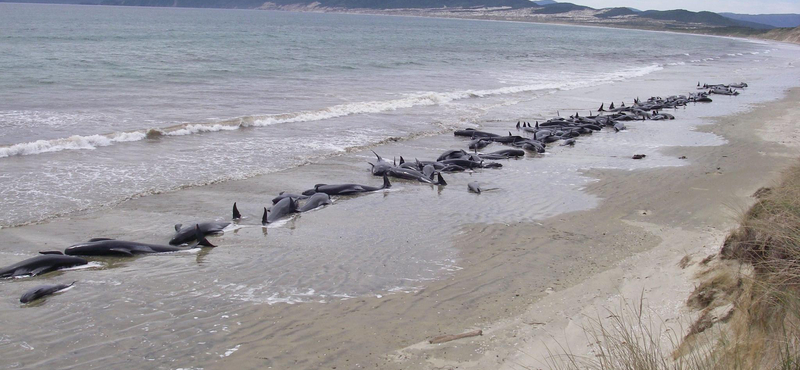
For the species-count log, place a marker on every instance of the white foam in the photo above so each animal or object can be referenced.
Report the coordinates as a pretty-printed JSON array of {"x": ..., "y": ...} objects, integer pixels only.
[
  {"x": 74, "y": 142},
  {"x": 201, "y": 128},
  {"x": 231, "y": 351},
  {"x": 90, "y": 142}
]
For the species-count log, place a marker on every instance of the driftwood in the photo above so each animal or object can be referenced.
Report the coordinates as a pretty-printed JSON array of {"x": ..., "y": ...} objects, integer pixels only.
[{"x": 447, "y": 338}]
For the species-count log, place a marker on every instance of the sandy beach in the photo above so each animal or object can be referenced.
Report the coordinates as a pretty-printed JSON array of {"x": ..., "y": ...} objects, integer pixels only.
[
  {"x": 557, "y": 238},
  {"x": 665, "y": 214},
  {"x": 528, "y": 286}
]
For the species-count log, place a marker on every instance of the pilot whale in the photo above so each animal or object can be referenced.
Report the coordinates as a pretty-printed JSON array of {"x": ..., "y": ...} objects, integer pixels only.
[
  {"x": 40, "y": 265},
  {"x": 113, "y": 247},
  {"x": 43, "y": 291}
]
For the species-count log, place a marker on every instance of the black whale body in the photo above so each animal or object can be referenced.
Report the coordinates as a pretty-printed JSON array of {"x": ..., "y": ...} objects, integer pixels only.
[
  {"x": 40, "y": 265},
  {"x": 42, "y": 291}
]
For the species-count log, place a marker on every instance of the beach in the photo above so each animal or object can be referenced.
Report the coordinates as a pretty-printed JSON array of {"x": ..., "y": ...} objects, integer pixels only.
[{"x": 367, "y": 281}]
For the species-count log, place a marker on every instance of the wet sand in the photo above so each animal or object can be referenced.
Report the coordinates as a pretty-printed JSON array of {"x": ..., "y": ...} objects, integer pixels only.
[
  {"x": 444, "y": 261},
  {"x": 666, "y": 214}
]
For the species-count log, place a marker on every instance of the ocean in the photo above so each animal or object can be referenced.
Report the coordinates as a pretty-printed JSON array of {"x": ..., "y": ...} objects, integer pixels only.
[
  {"x": 112, "y": 103},
  {"x": 121, "y": 122}
]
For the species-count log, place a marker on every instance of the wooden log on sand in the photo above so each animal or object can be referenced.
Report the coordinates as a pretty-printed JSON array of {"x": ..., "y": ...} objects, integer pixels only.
[{"x": 448, "y": 338}]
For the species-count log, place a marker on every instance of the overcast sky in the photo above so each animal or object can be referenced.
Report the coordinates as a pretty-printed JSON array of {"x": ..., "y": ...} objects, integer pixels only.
[{"x": 733, "y": 6}]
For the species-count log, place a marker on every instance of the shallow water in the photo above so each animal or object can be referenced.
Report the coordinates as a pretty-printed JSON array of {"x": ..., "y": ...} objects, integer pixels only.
[
  {"x": 181, "y": 309},
  {"x": 106, "y": 104}
]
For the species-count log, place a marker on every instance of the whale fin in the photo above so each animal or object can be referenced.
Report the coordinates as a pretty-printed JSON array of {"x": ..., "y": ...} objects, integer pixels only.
[
  {"x": 264, "y": 217},
  {"x": 99, "y": 239},
  {"x": 236, "y": 214},
  {"x": 386, "y": 183},
  {"x": 517, "y": 125},
  {"x": 38, "y": 270},
  {"x": 122, "y": 251},
  {"x": 370, "y": 163},
  {"x": 51, "y": 252},
  {"x": 201, "y": 239},
  {"x": 441, "y": 180},
  {"x": 178, "y": 227},
  {"x": 376, "y": 154},
  {"x": 402, "y": 160}
]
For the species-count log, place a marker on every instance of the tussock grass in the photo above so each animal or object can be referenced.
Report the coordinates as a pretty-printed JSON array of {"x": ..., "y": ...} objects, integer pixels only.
[
  {"x": 748, "y": 298},
  {"x": 632, "y": 337}
]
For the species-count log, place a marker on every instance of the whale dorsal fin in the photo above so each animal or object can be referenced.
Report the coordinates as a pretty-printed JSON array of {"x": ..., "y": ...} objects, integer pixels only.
[
  {"x": 236, "y": 214},
  {"x": 201, "y": 239},
  {"x": 264, "y": 217},
  {"x": 178, "y": 227},
  {"x": 441, "y": 180}
]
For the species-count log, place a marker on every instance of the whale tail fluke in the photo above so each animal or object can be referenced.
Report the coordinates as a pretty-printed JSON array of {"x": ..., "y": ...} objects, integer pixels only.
[
  {"x": 236, "y": 214},
  {"x": 386, "y": 183},
  {"x": 440, "y": 180},
  {"x": 201, "y": 239},
  {"x": 264, "y": 217}
]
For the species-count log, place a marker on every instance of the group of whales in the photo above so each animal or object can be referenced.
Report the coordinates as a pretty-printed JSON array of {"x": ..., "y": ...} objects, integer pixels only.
[
  {"x": 429, "y": 172},
  {"x": 722, "y": 89}
]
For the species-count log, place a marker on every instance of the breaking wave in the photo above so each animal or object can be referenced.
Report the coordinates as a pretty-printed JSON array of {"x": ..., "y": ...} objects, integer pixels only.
[{"x": 78, "y": 142}]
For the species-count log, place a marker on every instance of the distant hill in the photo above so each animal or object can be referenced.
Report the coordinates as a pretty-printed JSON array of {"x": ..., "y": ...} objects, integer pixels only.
[
  {"x": 705, "y": 18},
  {"x": 541, "y": 11},
  {"x": 614, "y": 12},
  {"x": 253, "y": 4},
  {"x": 558, "y": 8},
  {"x": 775, "y": 20}
]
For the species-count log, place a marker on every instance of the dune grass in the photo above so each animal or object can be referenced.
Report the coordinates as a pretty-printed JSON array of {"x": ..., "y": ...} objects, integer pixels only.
[{"x": 748, "y": 300}]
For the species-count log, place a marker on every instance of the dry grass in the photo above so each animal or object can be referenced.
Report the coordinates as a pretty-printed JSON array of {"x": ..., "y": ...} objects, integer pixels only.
[
  {"x": 750, "y": 299},
  {"x": 632, "y": 337},
  {"x": 766, "y": 325}
]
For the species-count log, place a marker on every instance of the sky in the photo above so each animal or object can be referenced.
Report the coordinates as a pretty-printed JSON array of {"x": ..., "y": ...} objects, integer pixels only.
[{"x": 732, "y": 6}]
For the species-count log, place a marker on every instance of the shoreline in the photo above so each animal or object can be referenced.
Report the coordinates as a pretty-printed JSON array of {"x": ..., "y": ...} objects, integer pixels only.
[
  {"x": 502, "y": 268},
  {"x": 370, "y": 330},
  {"x": 558, "y": 322}
]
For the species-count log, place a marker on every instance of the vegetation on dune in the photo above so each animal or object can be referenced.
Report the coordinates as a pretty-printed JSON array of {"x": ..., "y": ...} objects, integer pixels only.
[
  {"x": 748, "y": 302},
  {"x": 615, "y": 12},
  {"x": 704, "y": 18}
]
